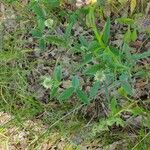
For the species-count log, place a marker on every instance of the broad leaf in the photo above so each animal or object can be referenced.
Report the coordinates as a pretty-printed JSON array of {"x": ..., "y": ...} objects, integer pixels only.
[
  {"x": 94, "y": 89},
  {"x": 125, "y": 84},
  {"x": 127, "y": 21},
  {"x": 41, "y": 24},
  {"x": 38, "y": 10},
  {"x": 36, "y": 33},
  {"x": 58, "y": 73},
  {"x": 92, "y": 69},
  {"x": 53, "y": 92},
  {"x": 82, "y": 96},
  {"x": 134, "y": 35},
  {"x": 66, "y": 94},
  {"x": 75, "y": 82}
]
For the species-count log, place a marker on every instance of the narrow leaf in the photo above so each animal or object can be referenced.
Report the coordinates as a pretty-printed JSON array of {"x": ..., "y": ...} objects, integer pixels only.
[
  {"x": 113, "y": 106},
  {"x": 141, "y": 56},
  {"x": 133, "y": 4},
  {"x": 106, "y": 32}
]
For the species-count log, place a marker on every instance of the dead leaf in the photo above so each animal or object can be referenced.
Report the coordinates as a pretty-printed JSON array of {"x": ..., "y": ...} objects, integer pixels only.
[{"x": 133, "y": 4}]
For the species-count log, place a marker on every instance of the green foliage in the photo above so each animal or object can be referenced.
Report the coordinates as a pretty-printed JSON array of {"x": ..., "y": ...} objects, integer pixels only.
[
  {"x": 94, "y": 89},
  {"x": 106, "y": 32},
  {"x": 75, "y": 82},
  {"x": 66, "y": 94},
  {"x": 82, "y": 96},
  {"x": 53, "y": 82},
  {"x": 127, "y": 21},
  {"x": 109, "y": 70}
]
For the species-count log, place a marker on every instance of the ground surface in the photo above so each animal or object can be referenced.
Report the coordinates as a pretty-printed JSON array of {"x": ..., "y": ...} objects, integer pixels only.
[{"x": 30, "y": 120}]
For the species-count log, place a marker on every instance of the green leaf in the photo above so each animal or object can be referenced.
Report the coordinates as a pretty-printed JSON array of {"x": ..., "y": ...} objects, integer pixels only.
[
  {"x": 90, "y": 21},
  {"x": 122, "y": 92},
  {"x": 82, "y": 96},
  {"x": 113, "y": 106},
  {"x": 58, "y": 74},
  {"x": 92, "y": 69},
  {"x": 56, "y": 40},
  {"x": 106, "y": 32},
  {"x": 66, "y": 94},
  {"x": 53, "y": 3},
  {"x": 126, "y": 54},
  {"x": 53, "y": 92},
  {"x": 126, "y": 21},
  {"x": 87, "y": 58},
  {"x": 115, "y": 51},
  {"x": 48, "y": 82},
  {"x": 72, "y": 20},
  {"x": 93, "y": 46},
  {"x": 41, "y": 24},
  {"x": 127, "y": 36},
  {"x": 136, "y": 111},
  {"x": 36, "y": 33},
  {"x": 94, "y": 89},
  {"x": 38, "y": 10},
  {"x": 125, "y": 84},
  {"x": 134, "y": 35},
  {"x": 115, "y": 120},
  {"x": 75, "y": 82},
  {"x": 68, "y": 30},
  {"x": 83, "y": 41},
  {"x": 119, "y": 122},
  {"x": 141, "y": 56},
  {"x": 42, "y": 43},
  {"x": 111, "y": 121}
]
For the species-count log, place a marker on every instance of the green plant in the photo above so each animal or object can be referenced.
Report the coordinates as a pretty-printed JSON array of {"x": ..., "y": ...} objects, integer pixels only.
[
  {"x": 109, "y": 70},
  {"x": 75, "y": 88},
  {"x": 53, "y": 82}
]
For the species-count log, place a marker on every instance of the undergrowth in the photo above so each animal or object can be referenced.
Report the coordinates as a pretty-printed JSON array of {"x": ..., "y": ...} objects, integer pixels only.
[{"x": 104, "y": 70}]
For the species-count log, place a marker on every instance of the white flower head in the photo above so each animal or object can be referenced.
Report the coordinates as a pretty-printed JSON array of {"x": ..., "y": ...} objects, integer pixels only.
[
  {"x": 49, "y": 23},
  {"x": 100, "y": 76},
  {"x": 48, "y": 82}
]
